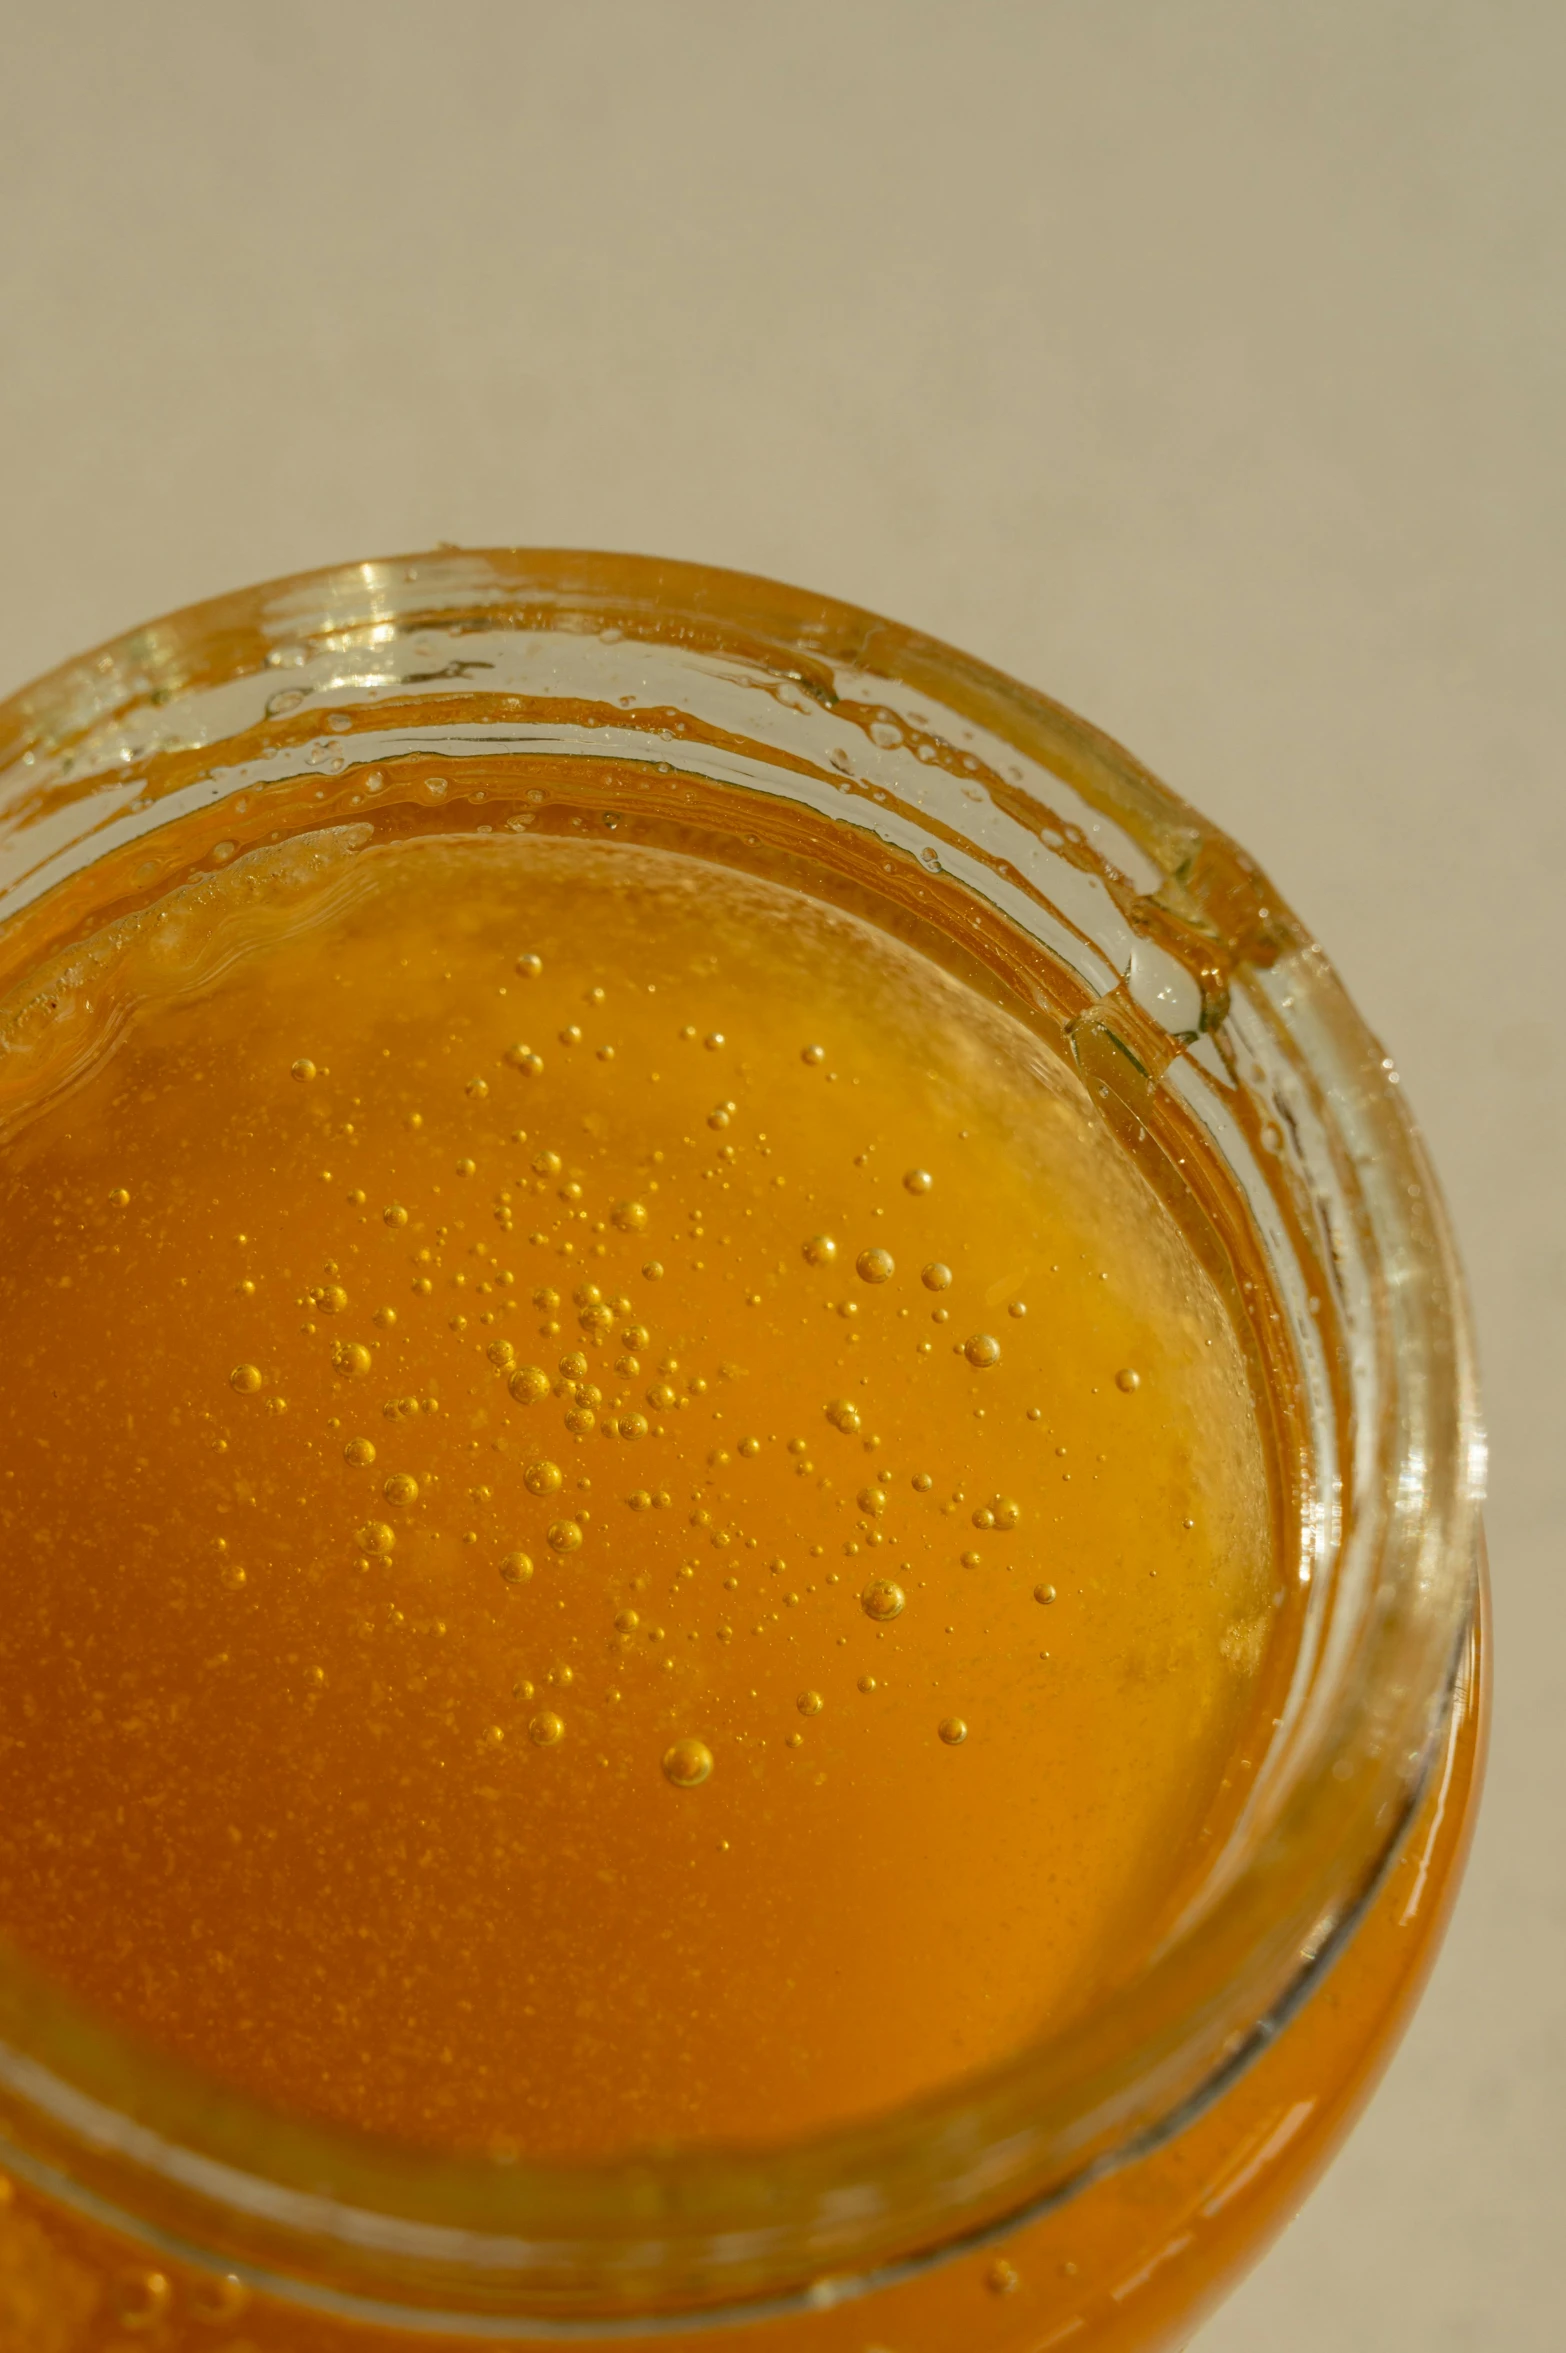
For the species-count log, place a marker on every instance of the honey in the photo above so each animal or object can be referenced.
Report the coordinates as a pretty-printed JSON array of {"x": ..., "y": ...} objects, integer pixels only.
[{"x": 626, "y": 1523}]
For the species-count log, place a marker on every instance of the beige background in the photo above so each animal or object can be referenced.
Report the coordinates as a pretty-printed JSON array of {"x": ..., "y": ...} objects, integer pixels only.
[{"x": 1199, "y": 360}]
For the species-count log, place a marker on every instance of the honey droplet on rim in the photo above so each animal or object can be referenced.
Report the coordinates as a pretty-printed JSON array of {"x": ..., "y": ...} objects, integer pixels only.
[{"x": 687, "y": 1764}]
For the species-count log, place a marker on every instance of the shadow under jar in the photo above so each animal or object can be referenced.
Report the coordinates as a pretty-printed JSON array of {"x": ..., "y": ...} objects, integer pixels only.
[{"x": 538, "y": 1093}]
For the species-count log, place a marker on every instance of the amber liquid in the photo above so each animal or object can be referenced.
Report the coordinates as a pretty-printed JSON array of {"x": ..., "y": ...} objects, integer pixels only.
[{"x": 623, "y": 1522}]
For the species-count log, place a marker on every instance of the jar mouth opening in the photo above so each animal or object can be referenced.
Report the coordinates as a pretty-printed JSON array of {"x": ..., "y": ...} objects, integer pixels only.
[{"x": 1190, "y": 995}]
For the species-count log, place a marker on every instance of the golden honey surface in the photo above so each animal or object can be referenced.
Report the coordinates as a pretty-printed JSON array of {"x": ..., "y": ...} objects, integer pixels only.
[{"x": 621, "y": 1521}]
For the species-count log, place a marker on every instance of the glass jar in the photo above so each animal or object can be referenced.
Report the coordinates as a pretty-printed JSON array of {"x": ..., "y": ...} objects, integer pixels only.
[{"x": 1099, "y": 2190}]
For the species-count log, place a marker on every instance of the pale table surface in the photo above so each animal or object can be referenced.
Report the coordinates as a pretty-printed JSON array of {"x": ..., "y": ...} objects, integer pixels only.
[{"x": 1201, "y": 363}]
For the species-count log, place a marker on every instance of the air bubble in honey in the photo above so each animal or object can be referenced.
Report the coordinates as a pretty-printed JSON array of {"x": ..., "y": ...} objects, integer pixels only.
[{"x": 687, "y": 1764}]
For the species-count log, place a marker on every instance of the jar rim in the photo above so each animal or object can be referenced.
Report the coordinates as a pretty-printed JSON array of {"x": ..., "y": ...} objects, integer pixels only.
[{"x": 466, "y": 2243}]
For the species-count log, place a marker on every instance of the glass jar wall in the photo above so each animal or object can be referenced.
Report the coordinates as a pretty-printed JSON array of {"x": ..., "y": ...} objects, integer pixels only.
[{"x": 1100, "y": 2187}]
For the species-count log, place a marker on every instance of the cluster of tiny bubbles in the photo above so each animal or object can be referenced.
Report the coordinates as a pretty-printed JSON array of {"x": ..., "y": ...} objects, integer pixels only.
[
  {"x": 246, "y": 1378},
  {"x": 875, "y": 1266},
  {"x": 687, "y": 1763},
  {"x": 360, "y": 1452},
  {"x": 953, "y": 1731},
  {"x": 882, "y": 1600},
  {"x": 515, "y": 1569},
  {"x": 1128, "y": 1380},
  {"x": 351, "y": 1359},
  {"x": 935, "y": 1276},
  {"x": 982, "y": 1350}
]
